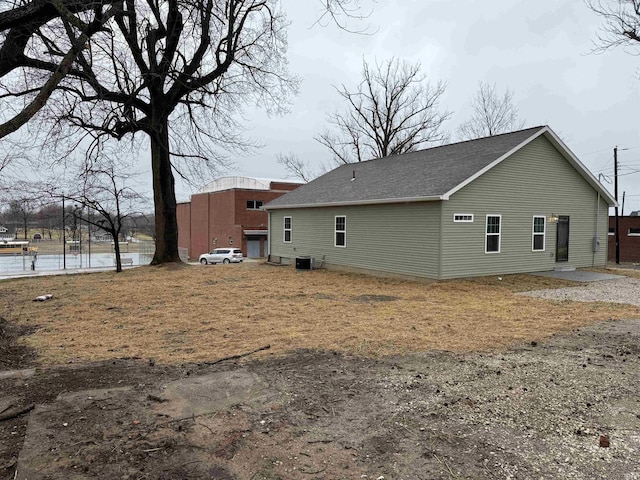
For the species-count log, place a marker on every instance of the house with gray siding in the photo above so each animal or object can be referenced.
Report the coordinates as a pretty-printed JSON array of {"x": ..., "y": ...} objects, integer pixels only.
[{"x": 511, "y": 203}]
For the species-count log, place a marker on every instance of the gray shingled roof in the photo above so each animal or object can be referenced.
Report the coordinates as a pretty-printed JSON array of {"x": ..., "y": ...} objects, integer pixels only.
[{"x": 426, "y": 173}]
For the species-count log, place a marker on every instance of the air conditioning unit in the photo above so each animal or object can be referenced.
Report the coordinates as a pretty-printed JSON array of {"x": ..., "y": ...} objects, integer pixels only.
[{"x": 305, "y": 263}]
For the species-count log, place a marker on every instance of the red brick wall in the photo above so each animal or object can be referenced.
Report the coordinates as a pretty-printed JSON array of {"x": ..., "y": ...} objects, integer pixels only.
[
  {"x": 221, "y": 219},
  {"x": 629, "y": 244},
  {"x": 284, "y": 186},
  {"x": 199, "y": 224}
]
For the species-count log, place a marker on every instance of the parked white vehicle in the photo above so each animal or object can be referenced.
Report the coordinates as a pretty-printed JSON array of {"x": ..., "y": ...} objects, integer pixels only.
[{"x": 221, "y": 255}]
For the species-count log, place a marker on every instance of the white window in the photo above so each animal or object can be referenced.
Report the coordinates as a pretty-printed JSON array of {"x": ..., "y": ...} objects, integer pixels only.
[
  {"x": 539, "y": 226},
  {"x": 463, "y": 217},
  {"x": 287, "y": 229},
  {"x": 612, "y": 230},
  {"x": 633, "y": 232},
  {"x": 492, "y": 236},
  {"x": 341, "y": 231}
]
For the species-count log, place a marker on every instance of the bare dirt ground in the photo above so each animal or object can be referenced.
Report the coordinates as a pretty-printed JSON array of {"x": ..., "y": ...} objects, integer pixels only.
[{"x": 552, "y": 405}]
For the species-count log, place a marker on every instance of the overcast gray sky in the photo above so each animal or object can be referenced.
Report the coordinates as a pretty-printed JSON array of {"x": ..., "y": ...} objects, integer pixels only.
[{"x": 540, "y": 50}]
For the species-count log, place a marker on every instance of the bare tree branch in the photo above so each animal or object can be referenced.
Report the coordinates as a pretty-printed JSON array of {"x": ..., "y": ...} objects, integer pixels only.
[
  {"x": 296, "y": 167},
  {"x": 33, "y": 107},
  {"x": 621, "y": 24},
  {"x": 492, "y": 114},
  {"x": 393, "y": 110}
]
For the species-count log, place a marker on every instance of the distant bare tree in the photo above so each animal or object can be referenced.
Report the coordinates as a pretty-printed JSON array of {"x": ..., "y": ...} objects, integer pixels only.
[
  {"x": 492, "y": 114},
  {"x": 296, "y": 167},
  {"x": 393, "y": 110},
  {"x": 49, "y": 220},
  {"x": 21, "y": 212},
  {"x": 101, "y": 189},
  {"x": 621, "y": 27}
]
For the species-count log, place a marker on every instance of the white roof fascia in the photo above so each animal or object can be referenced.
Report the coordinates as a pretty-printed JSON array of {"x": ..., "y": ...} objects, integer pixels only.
[
  {"x": 564, "y": 150},
  {"x": 479, "y": 173},
  {"x": 578, "y": 165},
  {"x": 434, "y": 198}
]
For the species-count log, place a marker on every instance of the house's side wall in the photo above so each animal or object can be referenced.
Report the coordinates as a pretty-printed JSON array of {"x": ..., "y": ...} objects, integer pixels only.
[
  {"x": 398, "y": 239},
  {"x": 536, "y": 180}
]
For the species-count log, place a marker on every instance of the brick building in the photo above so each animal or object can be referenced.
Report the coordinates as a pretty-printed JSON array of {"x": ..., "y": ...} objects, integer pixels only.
[
  {"x": 228, "y": 212},
  {"x": 629, "y": 238}
]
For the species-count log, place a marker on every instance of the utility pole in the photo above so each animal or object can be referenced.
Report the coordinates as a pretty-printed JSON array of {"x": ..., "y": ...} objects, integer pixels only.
[
  {"x": 622, "y": 211},
  {"x": 615, "y": 188}
]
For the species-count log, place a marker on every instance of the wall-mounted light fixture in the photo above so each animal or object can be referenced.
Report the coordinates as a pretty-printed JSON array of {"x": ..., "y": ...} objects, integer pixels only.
[
  {"x": 214, "y": 241},
  {"x": 230, "y": 240},
  {"x": 553, "y": 218}
]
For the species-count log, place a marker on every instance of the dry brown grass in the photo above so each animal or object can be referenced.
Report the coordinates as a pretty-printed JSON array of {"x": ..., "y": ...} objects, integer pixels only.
[{"x": 203, "y": 313}]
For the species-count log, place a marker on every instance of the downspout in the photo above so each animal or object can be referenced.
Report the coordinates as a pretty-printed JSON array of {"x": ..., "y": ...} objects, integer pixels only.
[
  {"x": 440, "y": 240},
  {"x": 268, "y": 252},
  {"x": 596, "y": 240}
]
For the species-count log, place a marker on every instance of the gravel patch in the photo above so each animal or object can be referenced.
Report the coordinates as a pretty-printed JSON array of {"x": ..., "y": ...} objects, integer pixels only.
[{"x": 622, "y": 290}]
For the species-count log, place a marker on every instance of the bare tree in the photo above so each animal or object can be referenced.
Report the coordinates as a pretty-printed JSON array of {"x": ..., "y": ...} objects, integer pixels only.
[
  {"x": 156, "y": 67},
  {"x": 493, "y": 114},
  {"x": 393, "y": 110},
  {"x": 48, "y": 220},
  {"x": 101, "y": 197},
  {"x": 621, "y": 23},
  {"x": 21, "y": 212},
  {"x": 163, "y": 68},
  {"x": 296, "y": 167}
]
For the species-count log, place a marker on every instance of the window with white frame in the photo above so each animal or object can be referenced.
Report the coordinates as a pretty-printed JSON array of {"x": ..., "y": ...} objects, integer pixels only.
[
  {"x": 539, "y": 226},
  {"x": 612, "y": 230},
  {"x": 492, "y": 236},
  {"x": 287, "y": 229},
  {"x": 633, "y": 232},
  {"x": 463, "y": 217},
  {"x": 341, "y": 231}
]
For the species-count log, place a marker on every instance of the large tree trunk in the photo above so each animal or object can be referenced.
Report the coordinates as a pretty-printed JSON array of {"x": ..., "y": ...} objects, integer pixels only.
[{"x": 164, "y": 196}]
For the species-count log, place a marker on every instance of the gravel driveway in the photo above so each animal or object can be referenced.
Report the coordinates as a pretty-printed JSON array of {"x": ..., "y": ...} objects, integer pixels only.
[{"x": 620, "y": 290}]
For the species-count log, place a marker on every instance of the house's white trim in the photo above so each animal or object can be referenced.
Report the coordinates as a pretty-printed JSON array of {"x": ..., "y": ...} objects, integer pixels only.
[
  {"x": 433, "y": 198},
  {"x": 499, "y": 234},
  {"x": 285, "y": 229},
  {"x": 571, "y": 158},
  {"x": 534, "y": 233},
  {"x": 560, "y": 146},
  {"x": 335, "y": 231},
  {"x": 499, "y": 160},
  {"x": 463, "y": 215}
]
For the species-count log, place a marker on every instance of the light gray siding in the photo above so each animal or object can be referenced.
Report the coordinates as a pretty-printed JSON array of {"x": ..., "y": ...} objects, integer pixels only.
[
  {"x": 400, "y": 239},
  {"x": 536, "y": 180}
]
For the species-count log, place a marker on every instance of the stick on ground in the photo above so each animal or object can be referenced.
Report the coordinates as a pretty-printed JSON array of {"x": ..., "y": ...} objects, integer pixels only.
[{"x": 234, "y": 357}]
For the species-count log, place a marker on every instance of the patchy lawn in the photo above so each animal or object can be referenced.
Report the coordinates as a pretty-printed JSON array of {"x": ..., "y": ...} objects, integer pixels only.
[{"x": 194, "y": 313}]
